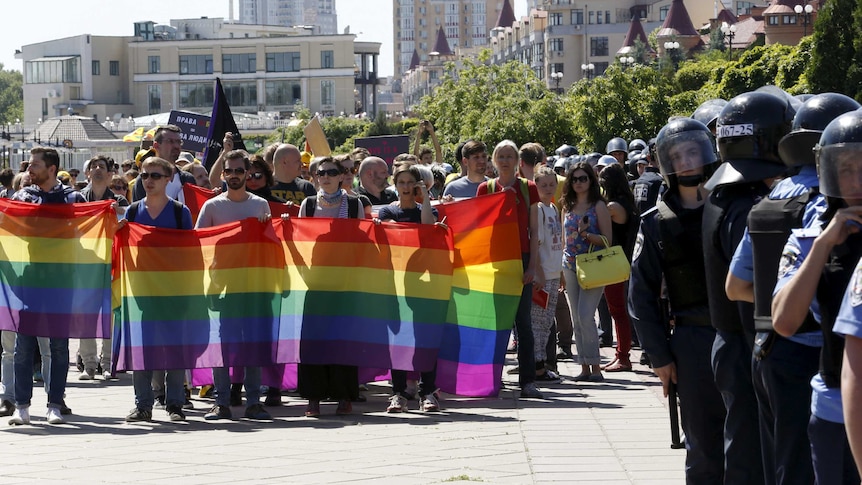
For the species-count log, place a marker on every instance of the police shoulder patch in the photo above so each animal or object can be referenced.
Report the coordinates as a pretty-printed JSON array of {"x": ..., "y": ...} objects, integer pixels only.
[
  {"x": 639, "y": 244},
  {"x": 789, "y": 259}
]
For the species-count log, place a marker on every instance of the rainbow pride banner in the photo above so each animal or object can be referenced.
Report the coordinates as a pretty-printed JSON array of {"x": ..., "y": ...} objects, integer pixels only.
[
  {"x": 55, "y": 268},
  {"x": 486, "y": 288},
  {"x": 364, "y": 294},
  {"x": 195, "y": 299}
]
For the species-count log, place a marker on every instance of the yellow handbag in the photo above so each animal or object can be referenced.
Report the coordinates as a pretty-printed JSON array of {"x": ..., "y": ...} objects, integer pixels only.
[{"x": 601, "y": 268}]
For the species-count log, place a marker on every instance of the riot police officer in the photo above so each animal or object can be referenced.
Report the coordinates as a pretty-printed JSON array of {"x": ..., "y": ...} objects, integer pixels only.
[
  {"x": 669, "y": 247},
  {"x": 648, "y": 186},
  {"x": 708, "y": 111},
  {"x": 748, "y": 128},
  {"x": 618, "y": 148},
  {"x": 782, "y": 368},
  {"x": 816, "y": 266}
]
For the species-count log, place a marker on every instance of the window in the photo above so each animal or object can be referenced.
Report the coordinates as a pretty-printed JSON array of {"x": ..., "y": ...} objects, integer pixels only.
[
  {"x": 601, "y": 67},
  {"x": 592, "y": 17},
  {"x": 789, "y": 20},
  {"x": 196, "y": 64},
  {"x": 62, "y": 70},
  {"x": 154, "y": 96},
  {"x": 114, "y": 66},
  {"x": 97, "y": 68},
  {"x": 598, "y": 47},
  {"x": 155, "y": 64},
  {"x": 238, "y": 63},
  {"x": 283, "y": 93},
  {"x": 556, "y": 45},
  {"x": 607, "y": 16},
  {"x": 577, "y": 17},
  {"x": 662, "y": 13},
  {"x": 772, "y": 19},
  {"x": 196, "y": 95},
  {"x": 327, "y": 59},
  {"x": 282, "y": 62},
  {"x": 327, "y": 92},
  {"x": 555, "y": 18},
  {"x": 241, "y": 93},
  {"x": 44, "y": 108},
  {"x": 743, "y": 8},
  {"x": 599, "y": 19}
]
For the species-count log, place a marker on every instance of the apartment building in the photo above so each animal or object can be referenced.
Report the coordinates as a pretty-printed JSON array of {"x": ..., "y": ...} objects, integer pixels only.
[{"x": 290, "y": 13}]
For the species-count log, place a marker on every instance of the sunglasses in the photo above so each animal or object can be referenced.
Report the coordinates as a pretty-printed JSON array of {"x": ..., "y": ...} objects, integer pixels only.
[
  {"x": 581, "y": 179},
  {"x": 256, "y": 176},
  {"x": 332, "y": 172},
  {"x": 238, "y": 171},
  {"x": 155, "y": 176},
  {"x": 119, "y": 187}
]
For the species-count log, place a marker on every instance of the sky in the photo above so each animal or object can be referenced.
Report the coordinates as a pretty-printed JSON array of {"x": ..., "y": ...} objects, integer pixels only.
[{"x": 41, "y": 20}]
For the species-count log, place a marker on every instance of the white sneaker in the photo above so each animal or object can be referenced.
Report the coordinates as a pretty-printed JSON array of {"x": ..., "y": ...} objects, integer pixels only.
[
  {"x": 430, "y": 403},
  {"x": 20, "y": 416},
  {"x": 87, "y": 375},
  {"x": 107, "y": 376},
  {"x": 397, "y": 404},
  {"x": 54, "y": 416}
]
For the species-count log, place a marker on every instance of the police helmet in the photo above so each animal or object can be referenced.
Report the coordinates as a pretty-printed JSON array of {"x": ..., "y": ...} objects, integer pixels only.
[
  {"x": 683, "y": 145},
  {"x": 707, "y": 112},
  {"x": 839, "y": 157},
  {"x": 804, "y": 97},
  {"x": 606, "y": 160},
  {"x": 637, "y": 144},
  {"x": 617, "y": 145},
  {"x": 808, "y": 124},
  {"x": 748, "y": 130},
  {"x": 592, "y": 158},
  {"x": 565, "y": 150},
  {"x": 794, "y": 102},
  {"x": 560, "y": 166}
]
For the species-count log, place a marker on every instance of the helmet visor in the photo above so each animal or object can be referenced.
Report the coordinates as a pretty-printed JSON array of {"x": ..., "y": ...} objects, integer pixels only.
[
  {"x": 685, "y": 153},
  {"x": 840, "y": 169}
]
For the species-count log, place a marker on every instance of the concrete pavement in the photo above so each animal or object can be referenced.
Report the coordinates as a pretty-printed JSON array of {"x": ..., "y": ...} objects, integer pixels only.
[{"x": 615, "y": 432}]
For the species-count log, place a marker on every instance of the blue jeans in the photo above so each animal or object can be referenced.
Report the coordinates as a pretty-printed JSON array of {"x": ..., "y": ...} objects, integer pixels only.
[
  {"x": 524, "y": 328},
  {"x": 144, "y": 395},
  {"x": 221, "y": 383},
  {"x": 7, "y": 364},
  {"x": 25, "y": 347}
]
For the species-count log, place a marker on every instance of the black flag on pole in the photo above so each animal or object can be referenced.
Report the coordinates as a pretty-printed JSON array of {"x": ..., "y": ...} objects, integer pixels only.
[{"x": 221, "y": 122}]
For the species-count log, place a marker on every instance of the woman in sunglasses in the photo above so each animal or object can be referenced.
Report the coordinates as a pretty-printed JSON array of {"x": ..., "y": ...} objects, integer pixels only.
[
  {"x": 349, "y": 168},
  {"x": 260, "y": 180},
  {"x": 336, "y": 382},
  {"x": 585, "y": 220}
]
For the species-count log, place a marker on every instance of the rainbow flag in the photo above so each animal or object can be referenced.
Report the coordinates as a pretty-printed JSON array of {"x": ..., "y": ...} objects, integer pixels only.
[
  {"x": 364, "y": 294},
  {"x": 195, "y": 299},
  {"x": 486, "y": 288},
  {"x": 55, "y": 268},
  {"x": 196, "y": 196}
]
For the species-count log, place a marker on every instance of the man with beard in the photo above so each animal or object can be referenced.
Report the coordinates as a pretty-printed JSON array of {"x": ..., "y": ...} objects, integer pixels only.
[
  {"x": 168, "y": 144},
  {"x": 46, "y": 189},
  {"x": 235, "y": 204},
  {"x": 373, "y": 175}
]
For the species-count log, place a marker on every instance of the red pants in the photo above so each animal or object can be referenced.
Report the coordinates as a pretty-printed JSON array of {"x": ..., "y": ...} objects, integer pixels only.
[{"x": 615, "y": 295}]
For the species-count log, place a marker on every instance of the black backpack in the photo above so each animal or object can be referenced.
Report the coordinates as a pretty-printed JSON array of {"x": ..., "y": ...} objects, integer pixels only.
[
  {"x": 352, "y": 206},
  {"x": 132, "y": 212}
]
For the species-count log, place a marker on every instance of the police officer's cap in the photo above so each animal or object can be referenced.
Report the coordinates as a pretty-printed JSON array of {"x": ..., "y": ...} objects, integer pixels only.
[
  {"x": 796, "y": 148},
  {"x": 839, "y": 157},
  {"x": 748, "y": 130}
]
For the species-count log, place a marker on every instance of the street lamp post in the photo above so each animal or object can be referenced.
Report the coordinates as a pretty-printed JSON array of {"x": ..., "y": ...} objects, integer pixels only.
[
  {"x": 557, "y": 77},
  {"x": 729, "y": 31},
  {"x": 588, "y": 69},
  {"x": 805, "y": 12},
  {"x": 627, "y": 61},
  {"x": 671, "y": 48}
]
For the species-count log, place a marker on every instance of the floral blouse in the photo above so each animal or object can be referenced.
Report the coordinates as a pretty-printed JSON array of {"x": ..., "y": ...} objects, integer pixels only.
[{"x": 575, "y": 244}]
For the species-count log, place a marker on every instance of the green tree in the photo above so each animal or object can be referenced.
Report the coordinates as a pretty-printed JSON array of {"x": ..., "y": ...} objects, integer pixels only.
[
  {"x": 11, "y": 95},
  {"x": 835, "y": 54},
  {"x": 492, "y": 103}
]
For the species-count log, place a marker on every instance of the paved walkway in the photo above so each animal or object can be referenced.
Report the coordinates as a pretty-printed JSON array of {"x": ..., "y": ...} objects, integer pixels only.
[{"x": 615, "y": 432}]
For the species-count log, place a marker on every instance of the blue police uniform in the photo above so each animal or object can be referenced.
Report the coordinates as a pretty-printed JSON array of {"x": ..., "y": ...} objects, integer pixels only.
[
  {"x": 781, "y": 376},
  {"x": 830, "y": 452},
  {"x": 678, "y": 257}
]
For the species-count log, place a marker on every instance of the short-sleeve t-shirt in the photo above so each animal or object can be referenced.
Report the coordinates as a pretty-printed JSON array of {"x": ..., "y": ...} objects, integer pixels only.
[
  {"x": 221, "y": 210},
  {"x": 166, "y": 218},
  {"x": 523, "y": 208},
  {"x": 294, "y": 191},
  {"x": 397, "y": 214},
  {"x": 462, "y": 188}
]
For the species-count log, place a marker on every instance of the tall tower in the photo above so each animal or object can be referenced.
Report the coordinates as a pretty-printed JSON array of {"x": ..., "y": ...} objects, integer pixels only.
[
  {"x": 288, "y": 13},
  {"x": 466, "y": 23}
]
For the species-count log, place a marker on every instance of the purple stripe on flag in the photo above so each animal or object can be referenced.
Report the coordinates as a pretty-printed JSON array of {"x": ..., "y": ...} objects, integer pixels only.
[
  {"x": 56, "y": 325},
  {"x": 253, "y": 354},
  {"x": 346, "y": 352},
  {"x": 482, "y": 380}
]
